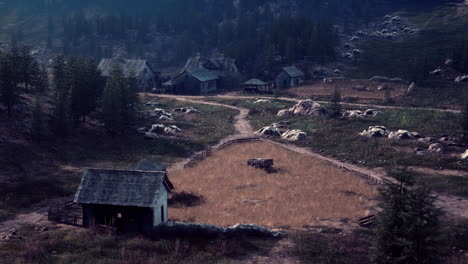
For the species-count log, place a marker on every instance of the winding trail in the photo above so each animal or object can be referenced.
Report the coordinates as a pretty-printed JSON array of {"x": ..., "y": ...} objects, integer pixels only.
[{"x": 454, "y": 207}]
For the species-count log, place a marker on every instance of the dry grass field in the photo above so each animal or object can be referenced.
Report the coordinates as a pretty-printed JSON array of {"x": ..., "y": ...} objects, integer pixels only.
[
  {"x": 347, "y": 90},
  {"x": 303, "y": 192}
]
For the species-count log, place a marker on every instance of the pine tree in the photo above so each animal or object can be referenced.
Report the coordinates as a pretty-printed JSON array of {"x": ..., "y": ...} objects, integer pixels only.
[
  {"x": 41, "y": 80},
  {"x": 408, "y": 228},
  {"x": 61, "y": 93},
  {"x": 113, "y": 103},
  {"x": 28, "y": 67},
  {"x": 335, "y": 104},
  {"x": 37, "y": 123},
  {"x": 9, "y": 95}
]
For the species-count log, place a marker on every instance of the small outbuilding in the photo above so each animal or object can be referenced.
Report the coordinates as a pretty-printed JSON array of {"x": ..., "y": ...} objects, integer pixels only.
[
  {"x": 256, "y": 86},
  {"x": 130, "y": 201},
  {"x": 290, "y": 77}
]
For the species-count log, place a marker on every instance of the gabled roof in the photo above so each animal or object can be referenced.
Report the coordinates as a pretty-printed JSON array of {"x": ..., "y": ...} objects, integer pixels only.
[
  {"x": 219, "y": 65},
  {"x": 148, "y": 165},
  {"x": 255, "y": 82},
  {"x": 128, "y": 66},
  {"x": 202, "y": 74},
  {"x": 152, "y": 165},
  {"x": 293, "y": 71},
  {"x": 120, "y": 188}
]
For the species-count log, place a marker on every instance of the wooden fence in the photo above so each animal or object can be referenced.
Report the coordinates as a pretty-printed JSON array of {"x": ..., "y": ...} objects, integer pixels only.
[
  {"x": 68, "y": 213},
  {"x": 206, "y": 153}
]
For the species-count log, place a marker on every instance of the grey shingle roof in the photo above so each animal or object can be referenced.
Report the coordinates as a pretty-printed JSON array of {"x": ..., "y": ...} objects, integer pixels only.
[
  {"x": 128, "y": 66},
  {"x": 202, "y": 74},
  {"x": 121, "y": 188},
  {"x": 255, "y": 82},
  {"x": 293, "y": 71},
  {"x": 152, "y": 165},
  {"x": 148, "y": 165}
]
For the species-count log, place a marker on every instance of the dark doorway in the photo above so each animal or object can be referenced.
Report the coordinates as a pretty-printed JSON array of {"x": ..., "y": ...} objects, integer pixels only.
[{"x": 162, "y": 214}]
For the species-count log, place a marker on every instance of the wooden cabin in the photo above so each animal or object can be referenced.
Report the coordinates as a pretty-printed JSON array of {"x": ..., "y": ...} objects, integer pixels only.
[
  {"x": 256, "y": 86},
  {"x": 147, "y": 78},
  {"x": 290, "y": 77},
  {"x": 129, "y": 201},
  {"x": 197, "y": 81}
]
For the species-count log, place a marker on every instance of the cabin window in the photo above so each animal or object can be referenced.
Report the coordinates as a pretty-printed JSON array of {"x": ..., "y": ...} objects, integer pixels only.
[
  {"x": 119, "y": 215},
  {"x": 162, "y": 214}
]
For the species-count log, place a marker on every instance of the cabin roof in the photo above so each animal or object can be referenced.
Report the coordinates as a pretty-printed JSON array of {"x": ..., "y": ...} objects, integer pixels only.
[
  {"x": 121, "y": 188},
  {"x": 293, "y": 71},
  {"x": 256, "y": 82},
  {"x": 202, "y": 74},
  {"x": 128, "y": 66},
  {"x": 152, "y": 165}
]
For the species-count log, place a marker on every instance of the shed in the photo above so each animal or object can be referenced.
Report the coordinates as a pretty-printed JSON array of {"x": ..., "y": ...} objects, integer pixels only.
[
  {"x": 147, "y": 78},
  {"x": 256, "y": 86},
  {"x": 130, "y": 201},
  {"x": 290, "y": 76}
]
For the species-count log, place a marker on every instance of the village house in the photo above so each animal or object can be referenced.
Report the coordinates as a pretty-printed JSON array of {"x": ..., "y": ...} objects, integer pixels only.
[
  {"x": 147, "y": 78},
  {"x": 132, "y": 201},
  {"x": 196, "y": 81},
  {"x": 289, "y": 77},
  {"x": 225, "y": 71}
]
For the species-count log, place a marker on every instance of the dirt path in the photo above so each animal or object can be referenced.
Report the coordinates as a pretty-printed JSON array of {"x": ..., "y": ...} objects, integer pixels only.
[{"x": 454, "y": 207}]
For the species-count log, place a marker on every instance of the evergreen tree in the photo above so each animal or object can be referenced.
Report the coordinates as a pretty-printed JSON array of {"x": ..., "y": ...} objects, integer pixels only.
[
  {"x": 37, "y": 123},
  {"x": 335, "y": 104},
  {"x": 41, "y": 80},
  {"x": 61, "y": 113},
  {"x": 113, "y": 107},
  {"x": 9, "y": 95},
  {"x": 408, "y": 228},
  {"x": 28, "y": 67}
]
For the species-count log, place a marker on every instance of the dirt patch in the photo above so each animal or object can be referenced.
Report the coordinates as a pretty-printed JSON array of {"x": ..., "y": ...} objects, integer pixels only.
[{"x": 305, "y": 191}]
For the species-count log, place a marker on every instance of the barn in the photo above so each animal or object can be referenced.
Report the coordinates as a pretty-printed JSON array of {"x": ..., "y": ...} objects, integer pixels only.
[
  {"x": 290, "y": 76},
  {"x": 129, "y": 201},
  {"x": 147, "y": 78},
  {"x": 196, "y": 81}
]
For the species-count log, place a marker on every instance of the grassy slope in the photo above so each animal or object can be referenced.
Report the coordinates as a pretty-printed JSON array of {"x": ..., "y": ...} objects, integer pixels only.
[{"x": 51, "y": 169}]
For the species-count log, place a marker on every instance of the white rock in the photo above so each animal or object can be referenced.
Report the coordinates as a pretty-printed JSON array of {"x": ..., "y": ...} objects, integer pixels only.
[
  {"x": 294, "y": 135},
  {"x": 436, "y": 148},
  {"x": 375, "y": 131},
  {"x": 465, "y": 155},
  {"x": 262, "y": 101},
  {"x": 285, "y": 113},
  {"x": 269, "y": 131},
  {"x": 400, "y": 134}
]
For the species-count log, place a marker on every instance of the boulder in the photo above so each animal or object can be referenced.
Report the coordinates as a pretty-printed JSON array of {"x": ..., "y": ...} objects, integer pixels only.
[
  {"x": 400, "y": 134},
  {"x": 308, "y": 107},
  {"x": 262, "y": 101},
  {"x": 150, "y": 135},
  {"x": 462, "y": 78},
  {"x": 352, "y": 114},
  {"x": 187, "y": 110},
  {"x": 294, "y": 135},
  {"x": 269, "y": 131},
  {"x": 426, "y": 140},
  {"x": 285, "y": 113},
  {"x": 162, "y": 115},
  {"x": 375, "y": 131},
  {"x": 436, "y": 148},
  {"x": 372, "y": 112},
  {"x": 436, "y": 72},
  {"x": 416, "y": 135},
  {"x": 158, "y": 128},
  {"x": 142, "y": 130},
  {"x": 465, "y": 155},
  {"x": 171, "y": 130}
]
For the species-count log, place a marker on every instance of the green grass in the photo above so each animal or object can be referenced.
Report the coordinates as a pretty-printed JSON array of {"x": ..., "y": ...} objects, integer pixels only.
[
  {"x": 83, "y": 246},
  {"x": 340, "y": 138}
]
